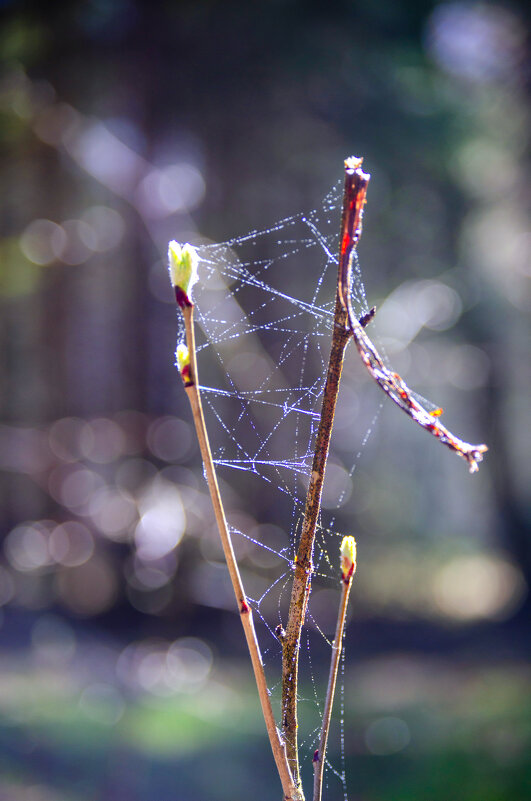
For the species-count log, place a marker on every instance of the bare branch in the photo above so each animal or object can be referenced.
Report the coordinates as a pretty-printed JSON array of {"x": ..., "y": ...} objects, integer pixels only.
[
  {"x": 348, "y": 568},
  {"x": 355, "y": 190},
  {"x": 391, "y": 383},
  {"x": 187, "y": 363}
]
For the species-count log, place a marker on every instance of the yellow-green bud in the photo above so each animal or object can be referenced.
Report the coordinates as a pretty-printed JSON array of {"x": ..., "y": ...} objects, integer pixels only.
[
  {"x": 183, "y": 357},
  {"x": 183, "y": 363},
  {"x": 348, "y": 558},
  {"x": 182, "y": 262}
]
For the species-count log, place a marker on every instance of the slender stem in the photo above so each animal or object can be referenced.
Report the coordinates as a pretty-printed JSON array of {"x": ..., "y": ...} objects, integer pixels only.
[
  {"x": 355, "y": 189},
  {"x": 319, "y": 759},
  {"x": 291, "y": 793},
  {"x": 391, "y": 383}
]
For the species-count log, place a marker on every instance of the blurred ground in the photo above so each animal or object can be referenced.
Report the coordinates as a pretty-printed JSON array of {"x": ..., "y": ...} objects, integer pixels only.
[{"x": 124, "y": 124}]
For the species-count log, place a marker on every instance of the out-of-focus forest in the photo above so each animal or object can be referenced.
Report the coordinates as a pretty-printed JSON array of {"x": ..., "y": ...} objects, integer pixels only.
[{"x": 124, "y": 124}]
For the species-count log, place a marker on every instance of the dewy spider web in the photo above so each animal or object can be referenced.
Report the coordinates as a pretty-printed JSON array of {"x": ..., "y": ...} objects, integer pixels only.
[
  {"x": 264, "y": 310},
  {"x": 265, "y": 305},
  {"x": 268, "y": 320}
]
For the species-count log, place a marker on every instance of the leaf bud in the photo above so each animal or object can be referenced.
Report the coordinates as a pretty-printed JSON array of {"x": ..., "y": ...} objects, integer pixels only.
[
  {"x": 183, "y": 364},
  {"x": 348, "y": 558},
  {"x": 182, "y": 263}
]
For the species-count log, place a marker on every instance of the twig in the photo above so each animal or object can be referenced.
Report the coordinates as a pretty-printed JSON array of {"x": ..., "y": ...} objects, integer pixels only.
[
  {"x": 187, "y": 363},
  {"x": 192, "y": 390},
  {"x": 391, "y": 383},
  {"x": 355, "y": 190},
  {"x": 348, "y": 568}
]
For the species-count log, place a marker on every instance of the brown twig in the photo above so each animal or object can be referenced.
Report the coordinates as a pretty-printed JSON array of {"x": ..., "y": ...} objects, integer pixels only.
[
  {"x": 348, "y": 565},
  {"x": 356, "y": 182},
  {"x": 391, "y": 383},
  {"x": 190, "y": 379}
]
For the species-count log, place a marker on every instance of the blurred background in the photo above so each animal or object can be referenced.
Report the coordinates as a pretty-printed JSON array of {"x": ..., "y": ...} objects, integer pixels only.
[{"x": 124, "y": 124}]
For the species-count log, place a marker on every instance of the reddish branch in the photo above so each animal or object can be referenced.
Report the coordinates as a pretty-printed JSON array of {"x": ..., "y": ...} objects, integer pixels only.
[
  {"x": 391, "y": 383},
  {"x": 346, "y": 325},
  {"x": 356, "y": 183}
]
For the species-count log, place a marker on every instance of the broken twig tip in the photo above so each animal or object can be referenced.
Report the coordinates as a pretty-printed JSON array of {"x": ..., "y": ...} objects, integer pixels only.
[
  {"x": 353, "y": 164},
  {"x": 474, "y": 456},
  {"x": 368, "y": 317}
]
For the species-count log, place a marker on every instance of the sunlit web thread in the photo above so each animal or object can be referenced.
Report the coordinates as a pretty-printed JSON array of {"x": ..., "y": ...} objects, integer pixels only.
[
  {"x": 255, "y": 603},
  {"x": 312, "y": 740},
  {"x": 300, "y": 399},
  {"x": 312, "y": 677},
  {"x": 342, "y": 722},
  {"x": 318, "y": 628},
  {"x": 356, "y": 460},
  {"x": 267, "y": 427},
  {"x": 267, "y": 397},
  {"x": 326, "y": 542},
  {"x": 281, "y": 554}
]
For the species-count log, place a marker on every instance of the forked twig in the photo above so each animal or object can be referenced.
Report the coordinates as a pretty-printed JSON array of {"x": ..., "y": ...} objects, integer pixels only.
[
  {"x": 187, "y": 363},
  {"x": 348, "y": 568}
]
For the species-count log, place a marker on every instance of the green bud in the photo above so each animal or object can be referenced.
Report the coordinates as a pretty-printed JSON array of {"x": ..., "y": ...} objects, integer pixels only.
[
  {"x": 183, "y": 357},
  {"x": 183, "y": 262},
  {"x": 183, "y": 364},
  {"x": 348, "y": 558}
]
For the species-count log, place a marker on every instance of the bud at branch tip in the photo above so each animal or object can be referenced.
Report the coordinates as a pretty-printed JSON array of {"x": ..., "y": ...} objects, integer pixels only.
[
  {"x": 182, "y": 264},
  {"x": 348, "y": 558}
]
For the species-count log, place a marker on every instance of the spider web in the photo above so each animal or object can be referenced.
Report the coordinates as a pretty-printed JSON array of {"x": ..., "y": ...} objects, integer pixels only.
[
  {"x": 268, "y": 320},
  {"x": 264, "y": 315}
]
